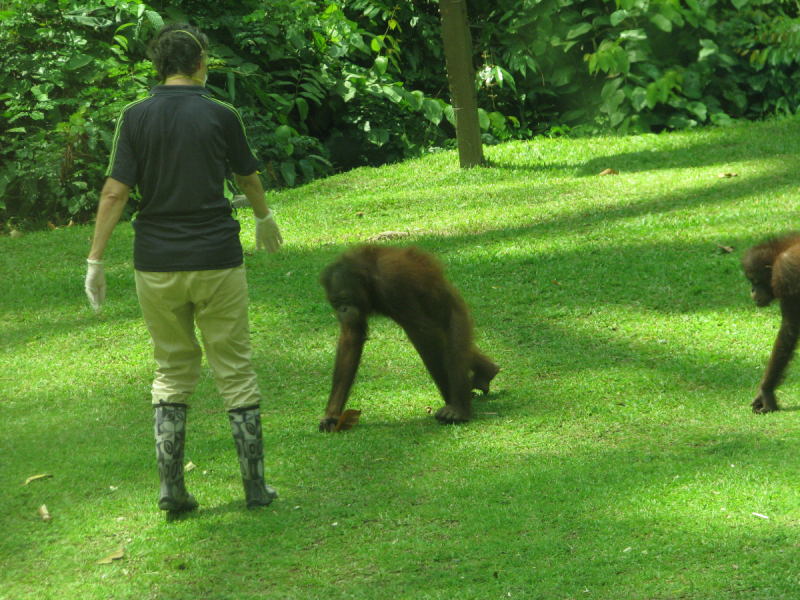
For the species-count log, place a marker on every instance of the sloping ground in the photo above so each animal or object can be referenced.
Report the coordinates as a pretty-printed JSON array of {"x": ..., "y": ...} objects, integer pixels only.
[{"x": 616, "y": 456}]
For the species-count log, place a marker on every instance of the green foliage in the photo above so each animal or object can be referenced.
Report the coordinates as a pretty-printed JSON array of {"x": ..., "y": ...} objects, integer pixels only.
[
  {"x": 637, "y": 65},
  {"x": 312, "y": 86},
  {"x": 676, "y": 66},
  {"x": 616, "y": 456},
  {"x": 319, "y": 88},
  {"x": 326, "y": 85},
  {"x": 589, "y": 66},
  {"x": 65, "y": 72}
]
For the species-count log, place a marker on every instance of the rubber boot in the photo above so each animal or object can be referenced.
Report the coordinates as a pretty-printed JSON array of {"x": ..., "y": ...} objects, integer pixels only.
[
  {"x": 246, "y": 429},
  {"x": 170, "y": 430}
]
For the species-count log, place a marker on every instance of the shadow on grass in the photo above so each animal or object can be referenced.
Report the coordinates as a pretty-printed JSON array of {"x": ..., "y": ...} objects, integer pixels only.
[
  {"x": 518, "y": 308},
  {"x": 227, "y": 508},
  {"x": 718, "y": 192},
  {"x": 439, "y": 506},
  {"x": 521, "y": 312},
  {"x": 411, "y": 507},
  {"x": 61, "y": 285},
  {"x": 555, "y": 510},
  {"x": 714, "y": 147}
]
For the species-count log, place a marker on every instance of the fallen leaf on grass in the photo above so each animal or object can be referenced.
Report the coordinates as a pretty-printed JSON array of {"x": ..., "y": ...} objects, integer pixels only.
[
  {"x": 608, "y": 172},
  {"x": 189, "y": 466},
  {"x": 347, "y": 420},
  {"x": 112, "y": 557},
  {"x": 36, "y": 478},
  {"x": 44, "y": 513},
  {"x": 725, "y": 249},
  {"x": 721, "y": 175}
]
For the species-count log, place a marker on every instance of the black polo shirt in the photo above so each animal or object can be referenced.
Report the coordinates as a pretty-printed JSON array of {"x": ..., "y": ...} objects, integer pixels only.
[{"x": 176, "y": 145}]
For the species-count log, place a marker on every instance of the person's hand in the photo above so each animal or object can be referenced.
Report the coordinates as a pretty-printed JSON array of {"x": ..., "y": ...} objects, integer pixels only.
[
  {"x": 268, "y": 236},
  {"x": 96, "y": 284}
]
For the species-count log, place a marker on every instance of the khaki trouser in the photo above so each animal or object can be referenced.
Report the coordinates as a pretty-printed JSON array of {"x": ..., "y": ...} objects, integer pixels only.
[{"x": 217, "y": 301}]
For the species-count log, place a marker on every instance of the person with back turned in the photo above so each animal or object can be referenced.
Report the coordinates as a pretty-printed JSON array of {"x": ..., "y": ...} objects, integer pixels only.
[{"x": 176, "y": 145}]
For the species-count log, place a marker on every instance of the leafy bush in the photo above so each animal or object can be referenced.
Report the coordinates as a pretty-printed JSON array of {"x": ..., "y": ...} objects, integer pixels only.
[
  {"x": 674, "y": 66},
  {"x": 571, "y": 66},
  {"x": 314, "y": 89},
  {"x": 332, "y": 84},
  {"x": 320, "y": 87},
  {"x": 637, "y": 65},
  {"x": 65, "y": 73}
]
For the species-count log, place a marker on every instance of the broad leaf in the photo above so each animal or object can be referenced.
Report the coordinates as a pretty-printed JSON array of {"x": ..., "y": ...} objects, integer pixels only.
[
  {"x": 662, "y": 22},
  {"x": 380, "y": 65},
  {"x": 288, "y": 172},
  {"x": 302, "y": 107},
  {"x": 579, "y": 30},
  {"x": 432, "y": 110}
]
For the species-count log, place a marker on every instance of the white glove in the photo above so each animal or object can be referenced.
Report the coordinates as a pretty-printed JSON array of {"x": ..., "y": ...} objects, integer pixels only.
[
  {"x": 268, "y": 236},
  {"x": 96, "y": 284}
]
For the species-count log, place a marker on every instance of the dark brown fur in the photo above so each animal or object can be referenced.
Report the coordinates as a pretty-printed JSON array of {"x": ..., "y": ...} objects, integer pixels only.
[
  {"x": 773, "y": 269},
  {"x": 408, "y": 286}
]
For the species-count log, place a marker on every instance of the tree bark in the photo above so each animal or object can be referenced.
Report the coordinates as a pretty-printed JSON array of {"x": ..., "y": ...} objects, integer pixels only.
[{"x": 461, "y": 77}]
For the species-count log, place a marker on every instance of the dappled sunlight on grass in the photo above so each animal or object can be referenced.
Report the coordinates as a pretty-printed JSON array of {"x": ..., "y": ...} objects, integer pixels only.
[{"x": 615, "y": 456}]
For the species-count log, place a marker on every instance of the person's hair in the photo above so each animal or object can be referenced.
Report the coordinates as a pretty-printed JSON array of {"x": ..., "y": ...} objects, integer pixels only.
[{"x": 177, "y": 49}]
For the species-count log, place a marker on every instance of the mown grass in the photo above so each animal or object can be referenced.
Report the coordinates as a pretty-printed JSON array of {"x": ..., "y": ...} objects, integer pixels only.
[{"x": 616, "y": 456}]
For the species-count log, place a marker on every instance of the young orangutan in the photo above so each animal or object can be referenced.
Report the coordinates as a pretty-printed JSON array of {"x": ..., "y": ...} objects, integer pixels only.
[
  {"x": 408, "y": 286},
  {"x": 773, "y": 269}
]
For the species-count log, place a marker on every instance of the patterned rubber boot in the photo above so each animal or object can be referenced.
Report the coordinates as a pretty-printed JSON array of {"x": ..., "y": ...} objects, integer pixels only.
[
  {"x": 246, "y": 429},
  {"x": 170, "y": 430}
]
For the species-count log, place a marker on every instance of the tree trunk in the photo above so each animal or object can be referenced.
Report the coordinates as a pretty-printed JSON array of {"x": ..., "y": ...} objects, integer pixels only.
[{"x": 461, "y": 77}]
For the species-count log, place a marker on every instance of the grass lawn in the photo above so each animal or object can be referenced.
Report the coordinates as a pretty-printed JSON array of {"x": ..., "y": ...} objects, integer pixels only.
[{"x": 616, "y": 456}]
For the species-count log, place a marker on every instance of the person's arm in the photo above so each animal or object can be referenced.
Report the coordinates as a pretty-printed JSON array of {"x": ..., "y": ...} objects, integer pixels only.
[
  {"x": 268, "y": 235},
  {"x": 252, "y": 188},
  {"x": 113, "y": 199}
]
